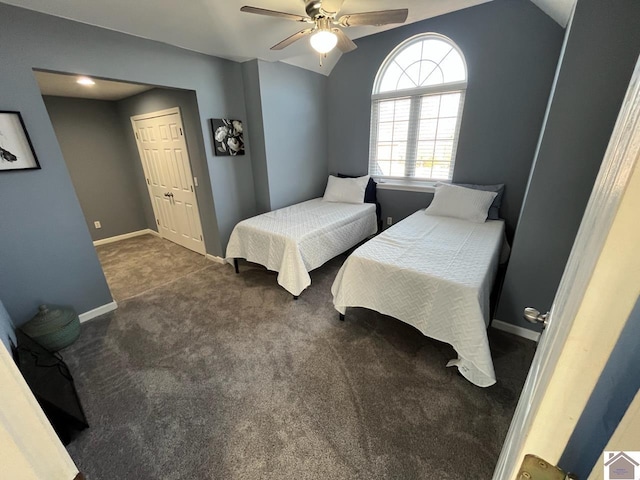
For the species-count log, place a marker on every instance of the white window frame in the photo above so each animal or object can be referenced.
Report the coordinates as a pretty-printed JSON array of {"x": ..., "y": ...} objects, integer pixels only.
[{"x": 415, "y": 94}]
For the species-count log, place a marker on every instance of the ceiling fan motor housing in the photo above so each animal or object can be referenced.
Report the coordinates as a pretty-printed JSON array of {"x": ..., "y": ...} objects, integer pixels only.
[{"x": 314, "y": 9}]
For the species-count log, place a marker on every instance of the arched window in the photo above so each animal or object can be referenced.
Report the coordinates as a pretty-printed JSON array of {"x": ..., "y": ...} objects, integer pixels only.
[{"x": 416, "y": 107}]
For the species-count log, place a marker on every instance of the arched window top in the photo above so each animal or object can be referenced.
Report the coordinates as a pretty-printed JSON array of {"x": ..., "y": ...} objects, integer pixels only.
[
  {"x": 416, "y": 107},
  {"x": 421, "y": 62}
]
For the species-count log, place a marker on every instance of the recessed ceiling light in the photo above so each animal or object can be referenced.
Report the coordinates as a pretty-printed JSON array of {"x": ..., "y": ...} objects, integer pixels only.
[{"x": 85, "y": 81}]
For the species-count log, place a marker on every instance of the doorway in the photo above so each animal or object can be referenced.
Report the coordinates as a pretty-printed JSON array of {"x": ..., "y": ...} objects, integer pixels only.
[
  {"x": 170, "y": 182},
  {"x": 94, "y": 130}
]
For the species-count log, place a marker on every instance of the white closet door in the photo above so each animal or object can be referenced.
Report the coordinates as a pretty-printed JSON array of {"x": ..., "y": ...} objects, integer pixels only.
[{"x": 165, "y": 160}]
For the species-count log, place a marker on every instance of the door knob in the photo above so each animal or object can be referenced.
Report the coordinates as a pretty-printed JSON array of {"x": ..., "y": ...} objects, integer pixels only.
[{"x": 534, "y": 316}]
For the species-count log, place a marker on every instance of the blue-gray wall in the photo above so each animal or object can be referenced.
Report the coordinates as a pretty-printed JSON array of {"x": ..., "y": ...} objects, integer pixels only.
[
  {"x": 46, "y": 252},
  {"x": 255, "y": 131},
  {"x": 511, "y": 49},
  {"x": 616, "y": 388},
  {"x": 288, "y": 131},
  {"x": 102, "y": 169},
  {"x": 295, "y": 131},
  {"x": 7, "y": 331},
  {"x": 600, "y": 54},
  {"x": 162, "y": 99}
]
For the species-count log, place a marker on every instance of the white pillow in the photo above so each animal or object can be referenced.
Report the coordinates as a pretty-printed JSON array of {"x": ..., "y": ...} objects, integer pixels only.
[
  {"x": 346, "y": 190},
  {"x": 461, "y": 202}
]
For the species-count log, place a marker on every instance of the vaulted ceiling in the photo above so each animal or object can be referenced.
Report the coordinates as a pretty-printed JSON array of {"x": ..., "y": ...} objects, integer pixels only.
[{"x": 221, "y": 29}]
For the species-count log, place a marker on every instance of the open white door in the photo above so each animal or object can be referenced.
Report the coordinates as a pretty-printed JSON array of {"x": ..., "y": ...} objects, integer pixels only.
[
  {"x": 165, "y": 161},
  {"x": 598, "y": 290},
  {"x": 29, "y": 447}
]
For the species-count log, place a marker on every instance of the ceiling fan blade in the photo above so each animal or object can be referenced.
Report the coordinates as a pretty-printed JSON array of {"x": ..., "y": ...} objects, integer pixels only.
[
  {"x": 345, "y": 44},
  {"x": 273, "y": 13},
  {"x": 331, "y": 6},
  {"x": 293, "y": 38},
  {"x": 383, "y": 17}
]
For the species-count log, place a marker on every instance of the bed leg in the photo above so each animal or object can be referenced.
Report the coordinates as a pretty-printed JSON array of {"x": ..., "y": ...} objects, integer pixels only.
[
  {"x": 235, "y": 265},
  {"x": 295, "y": 297},
  {"x": 342, "y": 317}
]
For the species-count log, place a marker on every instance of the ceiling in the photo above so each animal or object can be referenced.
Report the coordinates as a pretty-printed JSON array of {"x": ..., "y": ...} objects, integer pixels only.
[
  {"x": 65, "y": 85},
  {"x": 559, "y": 10},
  {"x": 221, "y": 29}
]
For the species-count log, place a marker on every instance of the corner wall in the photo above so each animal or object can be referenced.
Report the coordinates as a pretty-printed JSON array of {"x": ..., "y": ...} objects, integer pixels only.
[
  {"x": 102, "y": 169},
  {"x": 47, "y": 252},
  {"x": 162, "y": 99},
  {"x": 288, "y": 130},
  {"x": 511, "y": 48},
  {"x": 601, "y": 50},
  {"x": 254, "y": 129}
]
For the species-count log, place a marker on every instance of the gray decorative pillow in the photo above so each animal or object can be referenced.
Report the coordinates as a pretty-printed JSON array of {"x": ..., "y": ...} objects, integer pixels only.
[{"x": 494, "y": 209}]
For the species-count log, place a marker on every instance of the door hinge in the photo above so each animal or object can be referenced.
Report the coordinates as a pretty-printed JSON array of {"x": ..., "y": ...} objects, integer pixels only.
[
  {"x": 157, "y": 221},
  {"x": 180, "y": 131},
  {"x": 148, "y": 183},
  {"x": 535, "y": 468},
  {"x": 192, "y": 188},
  {"x": 200, "y": 237},
  {"x": 137, "y": 138}
]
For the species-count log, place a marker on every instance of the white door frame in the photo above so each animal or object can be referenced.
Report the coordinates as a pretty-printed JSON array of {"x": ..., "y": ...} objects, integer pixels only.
[
  {"x": 158, "y": 113},
  {"x": 30, "y": 446},
  {"x": 161, "y": 113},
  {"x": 616, "y": 169}
]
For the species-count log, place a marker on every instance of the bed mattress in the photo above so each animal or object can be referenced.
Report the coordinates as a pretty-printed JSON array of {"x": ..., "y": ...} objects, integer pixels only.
[
  {"x": 436, "y": 274},
  {"x": 297, "y": 239}
]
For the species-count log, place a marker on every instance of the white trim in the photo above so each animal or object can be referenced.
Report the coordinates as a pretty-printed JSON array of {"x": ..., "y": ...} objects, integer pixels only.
[
  {"x": 124, "y": 236},
  {"x": 96, "y": 312},
  {"x": 516, "y": 330},
  {"x": 214, "y": 258},
  {"x": 159, "y": 113},
  {"x": 406, "y": 43},
  {"x": 438, "y": 89},
  {"x": 405, "y": 185}
]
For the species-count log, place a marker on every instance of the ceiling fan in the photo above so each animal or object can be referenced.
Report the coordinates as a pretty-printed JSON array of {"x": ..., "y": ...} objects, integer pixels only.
[{"x": 325, "y": 34}]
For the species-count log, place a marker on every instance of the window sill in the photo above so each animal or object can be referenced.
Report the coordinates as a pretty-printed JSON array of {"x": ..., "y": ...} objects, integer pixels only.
[{"x": 427, "y": 187}]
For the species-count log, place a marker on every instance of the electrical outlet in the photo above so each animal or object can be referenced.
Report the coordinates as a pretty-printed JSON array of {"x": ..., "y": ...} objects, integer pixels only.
[
  {"x": 97, "y": 224},
  {"x": 389, "y": 220}
]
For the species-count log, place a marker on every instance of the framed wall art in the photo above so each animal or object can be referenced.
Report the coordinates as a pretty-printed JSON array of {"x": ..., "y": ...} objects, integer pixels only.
[
  {"x": 227, "y": 136},
  {"x": 16, "y": 151}
]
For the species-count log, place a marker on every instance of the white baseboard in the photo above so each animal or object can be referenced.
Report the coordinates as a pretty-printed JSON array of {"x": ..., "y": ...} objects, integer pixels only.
[
  {"x": 124, "y": 236},
  {"x": 516, "y": 330},
  {"x": 213, "y": 258},
  {"x": 96, "y": 312}
]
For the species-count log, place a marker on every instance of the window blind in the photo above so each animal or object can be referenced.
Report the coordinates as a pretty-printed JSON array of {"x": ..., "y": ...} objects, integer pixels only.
[
  {"x": 415, "y": 136},
  {"x": 416, "y": 110}
]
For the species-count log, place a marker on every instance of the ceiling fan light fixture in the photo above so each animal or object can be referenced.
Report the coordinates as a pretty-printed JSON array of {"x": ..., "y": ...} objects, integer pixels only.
[{"x": 323, "y": 41}]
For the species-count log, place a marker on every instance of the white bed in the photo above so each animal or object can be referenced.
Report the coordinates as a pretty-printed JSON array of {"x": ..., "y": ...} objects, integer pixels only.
[
  {"x": 436, "y": 274},
  {"x": 297, "y": 239}
]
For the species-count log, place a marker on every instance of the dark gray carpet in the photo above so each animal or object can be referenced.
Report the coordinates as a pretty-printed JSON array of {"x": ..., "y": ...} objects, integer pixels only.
[
  {"x": 224, "y": 376},
  {"x": 135, "y": 265}
]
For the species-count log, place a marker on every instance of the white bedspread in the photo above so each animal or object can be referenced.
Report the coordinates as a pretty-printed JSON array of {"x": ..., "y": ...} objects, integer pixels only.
[
  {"x": 436, "y": 274},
  {"x": 297, "y": 239}
]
